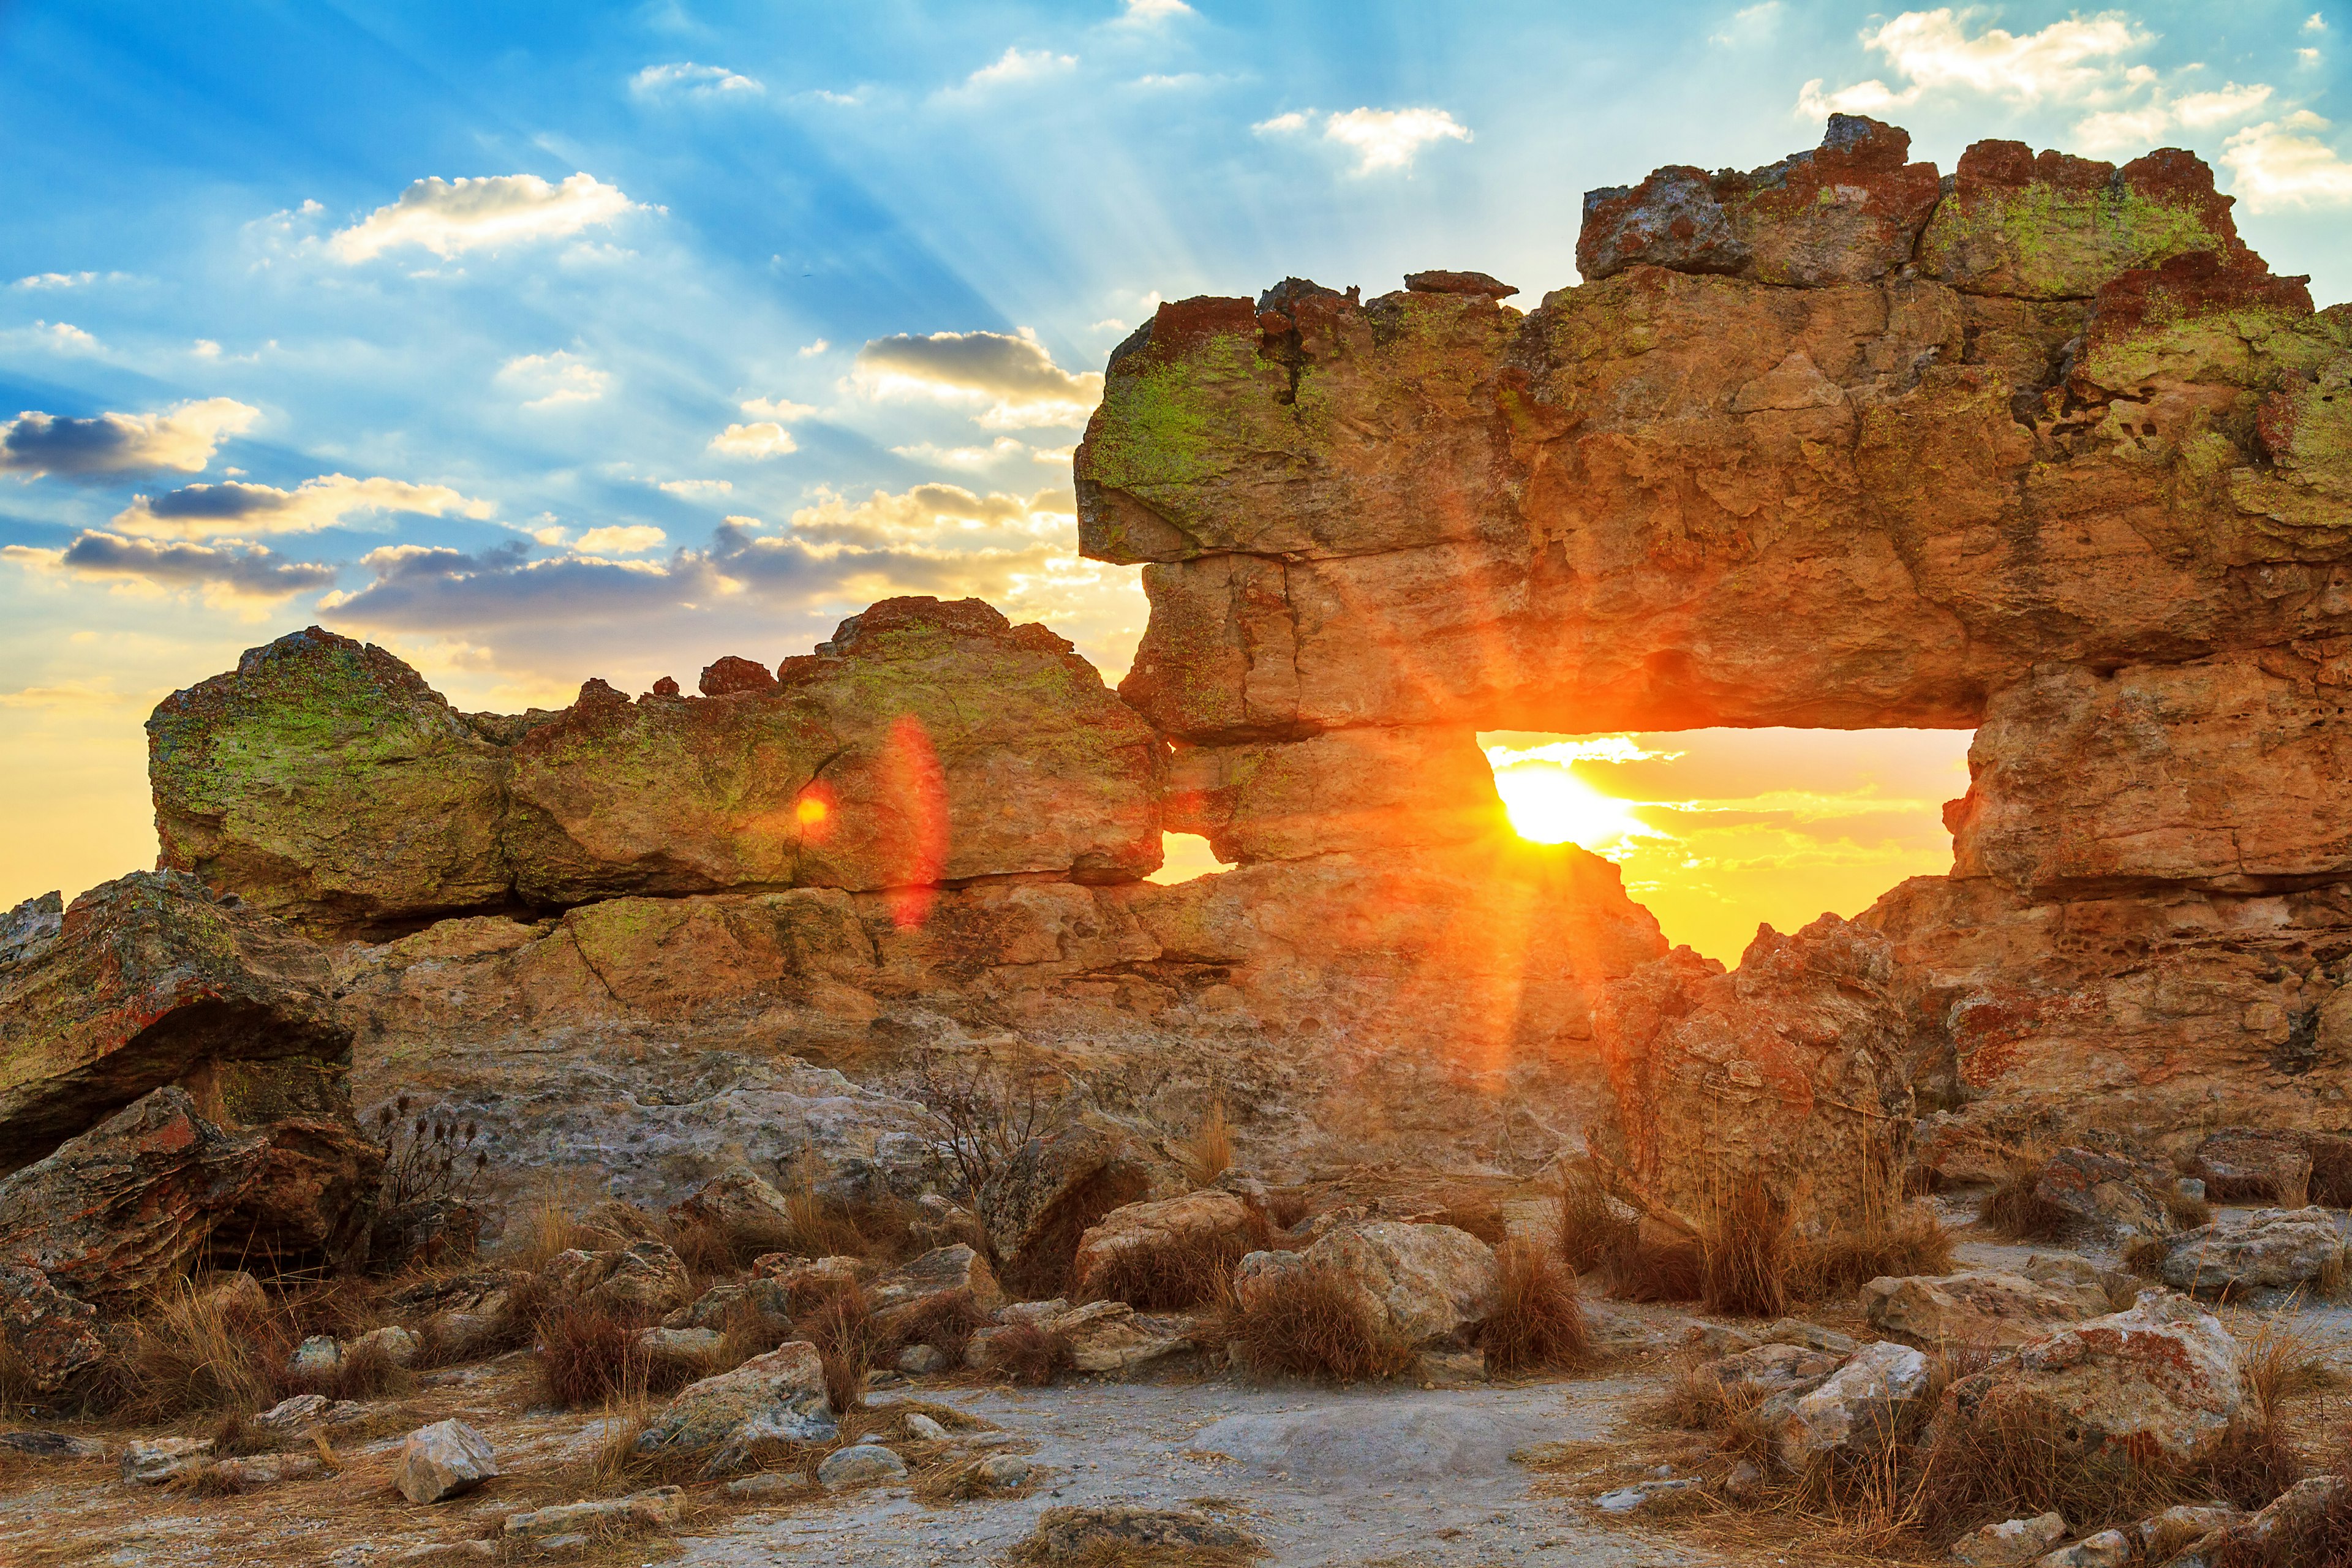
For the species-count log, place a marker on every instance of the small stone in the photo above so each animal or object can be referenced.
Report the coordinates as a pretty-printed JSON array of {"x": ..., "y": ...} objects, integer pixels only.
[
  {"x": 1811, "y": 1336},
  {"x": 394, "y": 1344},
  {"x": 317, "y": 1356},
  {"x": 2108, "y": 1549},
  {"x": 444, "y": 1460},
  {"x": 1716, "y": 1339},
  {"x": 2010, "y": 1543},
  {"x": 52, "y": 1446},
  {"x": 766, "y": 1484},
  {"x": 923, "y": 1428},
  {"x": 1004, "y": 1473},
  {"x": 858, "y": 1464},
  {"x": 1625, "y": 1499},
  {"x": 661, "y": 1506},
  {"x": 681, "y": 1344},
  {"x": 919, "y": 1360},
  {"x": 990, "y": 1439},
  {"x": 153, "y": 1462},
  {"x": 1036, "y": 1314},
  {"x": 293, "y": 1414}
]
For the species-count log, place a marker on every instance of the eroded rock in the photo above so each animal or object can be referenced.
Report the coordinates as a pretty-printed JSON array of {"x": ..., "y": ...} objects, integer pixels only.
[
  {"x": 2270, "y": 1249},
  {"x": 1979, "y": 1308},
  {"x": 444, "y": 1460}
]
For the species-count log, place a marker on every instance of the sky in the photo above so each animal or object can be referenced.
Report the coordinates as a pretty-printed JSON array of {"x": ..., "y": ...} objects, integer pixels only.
[{"x": 543, "y": 343}]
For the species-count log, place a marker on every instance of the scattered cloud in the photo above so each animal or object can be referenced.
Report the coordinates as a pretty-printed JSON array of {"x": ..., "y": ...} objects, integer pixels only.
[
  {"x": 232, "y": 570},
  {"x": 2314, "y": 23},
  {"x": 551, "y": 380},
  {"x": 1017, "y": 65},
  {"x": 449, "y": 217},
  {"x": 68, "y": 279},
  {"x": 235, "y": 509},
  {"x": 183, "y": 438},
  {"x": 1749, "y": 23},
  {"x": 778, "y": 408},
  {"x": 1182, "y": 79},
  {"x": 697, "y": 487},
  {"x": 1151, "y": 12},
  {"x": 1011, "y": 374},
  {"x": 1380, "y": 138},
  {"x": 57, "y": 336},
  {"x": 623, "y": 541},
  {"x": 2283, "y": 163},
  {"x": 693, "y": 80},
  {"x": 998, "y": 450},
  {"x": 765, "y": 438},
  {"x": 810, "y": 351}
]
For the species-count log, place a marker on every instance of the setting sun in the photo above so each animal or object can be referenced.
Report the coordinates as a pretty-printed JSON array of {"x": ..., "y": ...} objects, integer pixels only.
[{"x": 1547, "y": 804}]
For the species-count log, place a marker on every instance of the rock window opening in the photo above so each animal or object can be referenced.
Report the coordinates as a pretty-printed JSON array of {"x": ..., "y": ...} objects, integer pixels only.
[
  {"x": 1184, "y": 856},
  {"x": 1718, "y": 830}
]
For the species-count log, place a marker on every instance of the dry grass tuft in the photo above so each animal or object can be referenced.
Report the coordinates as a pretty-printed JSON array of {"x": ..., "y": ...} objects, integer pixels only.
[
  {"x": 1171, "y": 1276},
  {"x": 1593, "y": 1234},
  {"x": 2283, "y": 1361},
  {"x": 1312, "y": 1322},
  {"x": 847, "y": 1341},
  {"x": 1746, "y": 1253},
  {"x": 1042, "y": 1269},
  {"x": 1538, "y": 1317},
  {"x": 946, "y": 1324},
  {"x": 589, "y": 1354},
  {"x": 1480, "y": 1217},
  {"x": 1029, "y": 1355},
  {"x": 1839, "y": 1265},
  {"x": 544, "y": 1227},
  {"x": 2331, "y": 1169},
  {"x": 2187, "y": 1213},
  {"x": 194, "y": 1354},
  {"x": 2015, "y": 1207},
  {"x": 1208, "y": 1154}
]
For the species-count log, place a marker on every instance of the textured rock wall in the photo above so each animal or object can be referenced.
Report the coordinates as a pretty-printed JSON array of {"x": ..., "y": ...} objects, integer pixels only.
[{"x": 2041, "y": 448}]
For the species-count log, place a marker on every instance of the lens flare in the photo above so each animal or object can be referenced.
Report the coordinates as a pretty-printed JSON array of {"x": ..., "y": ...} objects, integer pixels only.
[{"x": 1547, "y": 804}]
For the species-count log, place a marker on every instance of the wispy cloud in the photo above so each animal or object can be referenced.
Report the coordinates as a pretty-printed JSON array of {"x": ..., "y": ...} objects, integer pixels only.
[
  {"x": 763, "y": 438},
  {"x": 627, "y": 540},
  {"x": 1380, "y": 138},
  {"x": 686, "y": 77},
  {"x": 1021, "y": 66},
  {"x": 1151, "y": 12},
  {"x": 551, "y": 380},
  {"x": 233, "y": 570},
  {"x": 450, "y": 217},
  {"x": 1010, "y": 377},
  {"x": 235, "y": 509},
  {"x": 2285, "y": 163},
  {"x": 109, "y": 445}
]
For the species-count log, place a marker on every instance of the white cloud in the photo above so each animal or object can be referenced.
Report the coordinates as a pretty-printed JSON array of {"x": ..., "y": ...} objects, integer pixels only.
[
  {"x": 697, "y": 81},
  {"x": 1388, "y": 137},
  {"x": 1013, "y": 375},
  {"x": 2283, "y": 163},
  {"x": 996, "y": 451},
  {"x": 2122, "y": 130},
  {"x": 2199, "y": 110},
  {"x": 1150, "y": 12},
  {"x": 1182, "y": 79},
  {"x": 2067, "y": 61},
  {"x": 697, "y": 487},
  {"x": 619, "y": 541},
  {"x": 1748, "y": 24},
  {"x": 1017, "y": 65},
  {"x": 239, "y": 510},
  {"x": 447, "y": 216},
  {"x": 2314, "y": 23},
  {"x": 551, "y": 380},
  {"x": 2308, "y": 57},
  {"x": 58, "y": 337},
  {"x": 66, "y": 280},
  {"x": 810, "y": 351},
  {"x": 938, "y": 517},
  {"x": 183, "y": 438},
  {"x": 778, "y": 408},
  {"x": 763, "y": 439},
  {"x": 1281, "y": 124}
]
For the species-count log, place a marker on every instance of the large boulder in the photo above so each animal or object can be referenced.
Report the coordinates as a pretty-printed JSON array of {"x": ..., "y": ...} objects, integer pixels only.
[
  {"x": 926, "y": 743},
  {"x": 1208, "y": 1223},
  {"x": 645, "y": 1279},
  {"x": 2270, "y": 1249},
  {"x": 2164, "y": 1379},
  {"x": 131, "y": 1203},
  {"x": 737, "y": 1201},
  {"x": 2245, "y": 1164},
  {"x": 1038, "y": 1204},
  {"x": 1861, "y": 1408},
  {"x": 1978, "y": 1308},
  {"x": 1789, "y": 1070},
  {"x": 2110, "y": 1197},
  {"x": 942, "y": 1279},
  {"x": 147, "y": 982},
  {"x": 1418, "y": 1282}
]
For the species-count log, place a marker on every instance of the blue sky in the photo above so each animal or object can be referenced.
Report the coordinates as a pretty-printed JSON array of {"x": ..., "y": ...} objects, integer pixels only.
[{"x": 843, "y": 275}]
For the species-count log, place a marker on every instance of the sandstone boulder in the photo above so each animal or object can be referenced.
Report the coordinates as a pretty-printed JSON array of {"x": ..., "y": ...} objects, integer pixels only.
[
  {"x": 2165, "y": 1378},
  {"x": 2270, "y": 1249},
  {"x": 2113, "y": 1198},
  {"x": 1978, "y": 1308},
  {"x": 781, "y": 1391},
  {"x": 645, "y": 1277},
  {"x": 51, "y": 1336},
  {"x": 2011, "y": 1543},
  {"x": 152, "y": 1461},
  {"x": 737, "y": 1201},
  {"x": 1771, "y": 1369},
  {"x": 1788, "y": 1071},
  {"x": 1207, "y": 1224},
  {"x": 131, "y": 1203},
  {"x": 1419, "y": 1282},
  {"x": 1113, "y": 1337},
  {"x": 1034, "y": 1204},
  {"x": 1860, "y": 1408},
  {"x": 941, "y": 1279},
  {"x": 2243, "y": 1164},
  {"x": 659, "y": 1507},
  {"x": 444, "y": 1460}
]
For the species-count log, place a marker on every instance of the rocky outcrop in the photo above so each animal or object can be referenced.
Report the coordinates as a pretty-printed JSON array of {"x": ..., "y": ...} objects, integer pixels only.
[
  {"x": 1790, "y": 1071},
  {"x": 1978, "y": 1308},
  {"x": 50, "y": 1336},
  {"x": 926, "y": 743},
  {"x": 2270, "y": 1249}
]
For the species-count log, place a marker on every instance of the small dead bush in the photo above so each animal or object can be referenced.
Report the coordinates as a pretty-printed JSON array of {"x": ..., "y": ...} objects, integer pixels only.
[
  {"x": 1043, "y": 1268},
  {"x": 1286, "y": 1207},
  {"x": 946, "y": 1324},
  {"x": 196, "y": 1353},
  {"x": 365, "y": 1371},
  {"x": 1312, "y": 1322},
  {"x": 1538, "y": 1317},
  {"x": 2331, "y": 1169},
  {"x": 1747, "y": 1252},
  {"x": 2283, "y": 1362},
  {"x": 1029, "y": 1355},
  {"x": 1839, "y": 1264},
  {"x": 2015, "y": 1207},
  {"x": 589, "y": 1354},
  {"x": 1209, "y": 1151},
  {"x": 2187, "y": 1212},
  {"x": 544, "y": 1227},
  {"x": 1593, "y": 1233},
  {"x": 847, "y": 1341}
]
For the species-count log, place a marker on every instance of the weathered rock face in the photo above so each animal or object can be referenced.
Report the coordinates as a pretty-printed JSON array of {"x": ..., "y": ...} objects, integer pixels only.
[
  {"x": 1978, "y": 1308},
  {"x": 1419, "y": 1282},
  {"x": 50, "y": 1335},
  {"x": 147, "y": 982},
  {"x": 926, "y": 743},
  {"x": 1791, "y": 1068},
  {"x": 2271, "y": 1249}
]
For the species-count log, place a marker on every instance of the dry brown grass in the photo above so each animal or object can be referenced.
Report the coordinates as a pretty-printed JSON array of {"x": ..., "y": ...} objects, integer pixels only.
[
  {"x": 548, "y": 1224},
  {"x": 1130, "y": 1554},
  {"x": 1538, "y": 1317},
  {"x": 2015, "y": 1207},
  {"x": 194, "y": 1354},
  {"x": 1029, "y": 1355},
  {"x": 1746, "y": 1253},
  {"x": 1174, "y": 1275},
  {"x": 946, "y": 1324},
  {"x": 1479, "y": 1216},
  {"x": 2331, "y": 1169},
  {"x": 1043, "y": 1268},
  {"x": 1592, "y": 1234},
  {"x": 2187, "y": 1212},
  {"x": 1839, "y": 1264},
  {"x": 1311, "y": 1322},
  {"x": 1208, "y": 1154},
  {"x": 589, "y": 1354},
  {"x": 847, "y": 1341}
]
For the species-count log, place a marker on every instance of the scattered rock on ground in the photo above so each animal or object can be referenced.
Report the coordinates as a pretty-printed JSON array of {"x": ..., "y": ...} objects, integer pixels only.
[
  {"x": 857, "y": 1465},
  {"x": 317, "y": 1356},
  {"x": 1857, "y": 1409},
  {"x": 1773, "y": 1369},
  {"x": 1111, "y": 1336},
  {"x": 782, "y": 1391},
  {"x": 2111, "y": 1197},
  {"x": 644, "y": 1276},
  {"x": 52, "y": 1446},
  {"x": 737, "y": 1201},
  {"x": 2244, "y": 1165},
  {"x": 150, "y": 1462},
  {"x": 2010, "y": 1543},
  {"x": 444, "y": 1460},
  {"x": 1422, "y": 1283},
  {"x": 1070, "y": 1534},
  {"x": 2271, "y": 1249},
  {"x": 661, "y": 1506},
  {"x": 939, "y": 1278},
  {"x": 2107, "y": 1549},
  {"x": 1977, "y": 1308},
  {"x": 1206, "y": 1220}
]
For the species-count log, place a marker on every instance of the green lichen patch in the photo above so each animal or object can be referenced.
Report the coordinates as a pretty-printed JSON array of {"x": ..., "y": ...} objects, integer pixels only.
[{"x": 2044, "y": 241}]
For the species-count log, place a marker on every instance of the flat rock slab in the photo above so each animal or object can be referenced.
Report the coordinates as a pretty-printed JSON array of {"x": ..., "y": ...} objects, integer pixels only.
[{"x": 1374, "y": 1440}]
